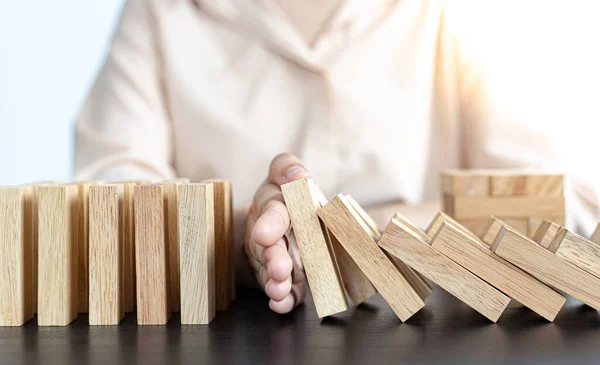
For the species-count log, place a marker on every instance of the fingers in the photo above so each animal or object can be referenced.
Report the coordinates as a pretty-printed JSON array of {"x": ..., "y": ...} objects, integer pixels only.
[
  {"x": 294, "y": 298},
  {"x": 272, "y": 224},
  {"x": 286, "y": 167},
  {"x": 278, "y": 262}
]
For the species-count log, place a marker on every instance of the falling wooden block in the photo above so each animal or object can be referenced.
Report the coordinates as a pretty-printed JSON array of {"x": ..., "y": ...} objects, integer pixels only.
[
  {"x": 468, "y": 207},
  {"x": 545, "y": 233},
  {"x": 465, "y": 183},
  {"x": 353, "y": 234},
  {"x": 494, "y": 225},
  {"x": 197, "y": 251},
  {"x": 595, "y": 237},
  {"x": 400, "y": 241},
  {"x": 547, "y": 267},
  {"x": 577, "y": 250},
  {"x": 224, "y": 249},
  {"x": 534, "y": 223},
  {"x": 476, "y": 257},
  {"x": 16, "y": 271},
  {"x": 151, "y": 255},
  {"x": 302, "y": 201},
  {"x": 58, "y": 212},
  {"x": 441, "y": 218},
  {"x": 106, "y": 227},
  {"x": 515, "y": 184}
]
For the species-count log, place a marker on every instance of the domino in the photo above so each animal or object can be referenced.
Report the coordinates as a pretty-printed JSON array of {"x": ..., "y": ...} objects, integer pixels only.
[
  {"x": 302, "y": 201},
  {"x": 151, "y": 256},
  {"x": 172, "y": 234},
  {"x": 547, "y": 267},
  {"x": 494, "y": 225},
  {"x": 465, "y": 183},
  {"x": 545, "y": 233},
  {"x": 197, "y": 253},
  {"x": 353, "y": 234},
  {"x": 527, "y": 184},
  {"x": 595, "y": 237},
  {"x": 577, "y": 250},
  {"x": 469, "y": 207},
  {"x": 58, "y": 211},
  {"x": 476, "y": 257},
  {"x": 534, "y": 223},
  {"x": 441, "y": 218},
  {"x": 400, "y": 241},
  {"x": 106, "y": 227},
  {"x": 16, "y": 271}
]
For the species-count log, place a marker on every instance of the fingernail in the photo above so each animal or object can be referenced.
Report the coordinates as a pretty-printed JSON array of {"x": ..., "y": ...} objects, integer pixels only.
[{"x": 295, "y": 172}]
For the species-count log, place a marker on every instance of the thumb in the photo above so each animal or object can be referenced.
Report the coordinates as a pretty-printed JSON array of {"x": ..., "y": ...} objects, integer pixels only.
[{"x": 286, "y": 167}]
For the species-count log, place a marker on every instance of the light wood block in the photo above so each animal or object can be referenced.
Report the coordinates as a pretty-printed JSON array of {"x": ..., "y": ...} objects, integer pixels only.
[
  {"x": 547, "y": 267},
  {"x": 106, "y": 226},
  {"x": 197, "y": 253},
  {"x": 465, "y": 183},
  {"x": 172, "y": 234},
  {"x": 494, "y": 225},
  {"x": 468, "y": 207},
  {"x": 151, "y": 256},
  {"x": 16, "y": 285},
  {"x": 302, "y": 201},
  {"x": 526, "y": 184},
  {"x": 545, "y": 233},
  {"x": 128, "y": 247},
  {"x": 577, "y": 250},
  {"x": 535, "y": 223},
  {"x": 224, "y": 249},
  {"x": 441, "y": 218},
  {"x": 476, "y": 257},
  {"x": 400, "y": 241},
  {"x": 595, "y": 237},
  {"x": 353, "y": 235},
  {"x": 58, "y": 212}
]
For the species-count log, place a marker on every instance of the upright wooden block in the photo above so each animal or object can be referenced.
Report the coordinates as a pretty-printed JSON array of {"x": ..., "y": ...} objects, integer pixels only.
[
  {"x": 106, "y": 237},
  {"x": 327, "y": 290},
  {"x": 577, "y": 250},
  {"x": 547, "y": 267},
  {"x": 224, "y": 249},
  {"x": 16, "y": 305},
  {"x": 476, "y": 257},
  {"x": 172, "y": 234},
  {"x": 469, "y": 207},
  {"x": 528, "y": 184},
  {"x": 545, "y": 233},
  {"x": 197, "y": 251},
  {"x": 353, "y": 235},
  {"x": 465, "y": 183},
  {"x": 58, "y": 212},
  {"x": 128, "y": 246},
  {"x": 151, "y": 255},
  {"x": 400, "y": 241}
]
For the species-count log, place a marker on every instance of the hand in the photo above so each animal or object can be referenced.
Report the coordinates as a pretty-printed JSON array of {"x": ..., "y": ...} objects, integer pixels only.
[{"x": 271, "y": 249}]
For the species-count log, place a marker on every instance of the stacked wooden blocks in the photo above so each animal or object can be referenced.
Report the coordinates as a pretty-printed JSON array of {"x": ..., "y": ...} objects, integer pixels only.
[
  {"x": 111, "y": 249},
  {"x": 522, "y": 199}
]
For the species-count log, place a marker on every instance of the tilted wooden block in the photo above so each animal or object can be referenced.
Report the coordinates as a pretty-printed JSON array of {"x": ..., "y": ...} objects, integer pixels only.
[
  {"x": 441, "y": 218},
  {"x": 475, "y": 256},
  {"x": 595, "y": 237},
  {"x": 535, "y": 223},
  {"x": 151, "y": 255},
  {"x": 545, "y": 233},
  {"x": 224, "y": 254},
  {"x": 353, "y": 234},
  {"x": 577, "y": 250},
  {"x": 400, "y": 241},
  {"x": 547, "y": 267},
  {"x": 467, "y": 207},
  {"x": 494, "y": 225},
  {"x": 197, "y": 253},
  {"x": 515, "y": 184},
  {"x": 465, "y": 182},
  {"x": 16, "y": 271},
  {"x": 326, "y": 286},
  {"x": 58, "y": 211},
  {"x": 106, "y": 227}
]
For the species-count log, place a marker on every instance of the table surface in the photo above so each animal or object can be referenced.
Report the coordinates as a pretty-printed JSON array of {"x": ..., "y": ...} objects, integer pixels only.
[{"x": 446, "y": 330}]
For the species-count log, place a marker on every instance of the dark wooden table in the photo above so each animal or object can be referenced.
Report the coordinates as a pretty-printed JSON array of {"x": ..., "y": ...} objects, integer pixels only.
[{"x": 445, "y": 331}]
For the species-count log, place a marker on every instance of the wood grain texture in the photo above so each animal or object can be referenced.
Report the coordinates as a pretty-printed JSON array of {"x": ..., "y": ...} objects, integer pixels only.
[
  {"x": 106, "y": 240},
  {"x": 353, "y": 234},
  {"x": 545, "y": 233},
  {"x": 547, "y": 267},
  {"x": 595, "y": 237},
  {"x": 321, "y": 269},
  {"x": 475, "y": 256},
  {"x": 16, "y": 305},
  {"x": 197, "y": 253},
  {"x": 464, "y": 183},
  {"x": 401, "y": 242},
  {"x": 526, "y": 184},
  {"x": 58, "y": 212},
  {"x": 577, "y": 250},
  {"x": 151, "y": 256},
  {"x": 441, "y": 218},
  {"x": 535, "y": 222},
  {"x": 466, "y": 207},
  {"x": 493, "y": 227},
  {"x": 224, "y": 255}
]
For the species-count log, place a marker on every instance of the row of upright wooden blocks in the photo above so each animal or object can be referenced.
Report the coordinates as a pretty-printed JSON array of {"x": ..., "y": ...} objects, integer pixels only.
[
  {"x": 108, "y": 249},
  {"x": 347, "y": 258}
]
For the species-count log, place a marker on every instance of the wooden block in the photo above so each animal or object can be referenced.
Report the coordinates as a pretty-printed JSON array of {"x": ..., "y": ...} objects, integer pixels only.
[
  {"x": 545, "y": 233},
  {"x": 577, "y": 250},
  {"x": 401, "y": 242},
  {"x": 58, "y": 212},
  {"x": 547, "y": 267},
  {"x": 172, "y": 234},
  {"x": 440, "y": 218},
  {"x": 16, "y": 305},
  {"x": 327, "y": 290},
  {"x": 526, "y": 185},
  {"x": 151, "y": 255},
  {"x": 467, "y": 207},
  {"x": 353, "y": 235},
  {"x": 595, "y": 237},
  {"x": 197, "y": 253},
  {"x": 465, "y": 183},
  {"x": 476, "y": 257},
  {"x": 106, "y": 226},
  {"x": 224, "y": 249},
  {"x": 128, "y": 247},
  {"x": 493, "y": 227},
  {"x": 535, "y": 222},
  {"x": 30, "y": 294}
]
